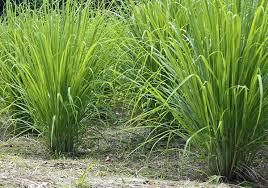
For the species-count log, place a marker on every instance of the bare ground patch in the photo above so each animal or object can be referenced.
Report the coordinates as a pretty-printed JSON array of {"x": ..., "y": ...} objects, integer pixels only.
[
  {"x": 20, "y": 172},
  {"x": 103, "y": 160}
]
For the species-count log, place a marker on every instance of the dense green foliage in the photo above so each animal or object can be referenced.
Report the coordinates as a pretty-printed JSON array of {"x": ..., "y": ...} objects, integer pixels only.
[
  {"x": 191, "y": 69},
  {"x": 212, "y": 77},
  {"x": 53, "y": 65}
]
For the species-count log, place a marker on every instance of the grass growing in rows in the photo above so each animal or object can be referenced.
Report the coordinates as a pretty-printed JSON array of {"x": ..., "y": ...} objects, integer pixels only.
[
  {"x": 53, "y": 61},
  {"x": 194, "y": 69}
]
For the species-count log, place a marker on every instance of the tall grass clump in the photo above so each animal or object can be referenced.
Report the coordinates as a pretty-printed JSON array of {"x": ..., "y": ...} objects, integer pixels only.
[
  {"x": 151, "y": 20},
  {"x": 150, "y": 24},
  {"x": 54, "y": 63},
  {"x": 212, "y": 78}
]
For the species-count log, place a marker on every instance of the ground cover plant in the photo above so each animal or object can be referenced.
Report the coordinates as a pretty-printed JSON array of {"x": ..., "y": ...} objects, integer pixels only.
[{"x": 186, "y": 74}]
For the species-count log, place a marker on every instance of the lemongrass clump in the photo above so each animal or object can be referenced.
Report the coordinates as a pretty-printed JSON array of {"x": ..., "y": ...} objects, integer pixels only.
[
  {"x": 212, "y": 78},
  {"x": 55, "y": 59}
]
